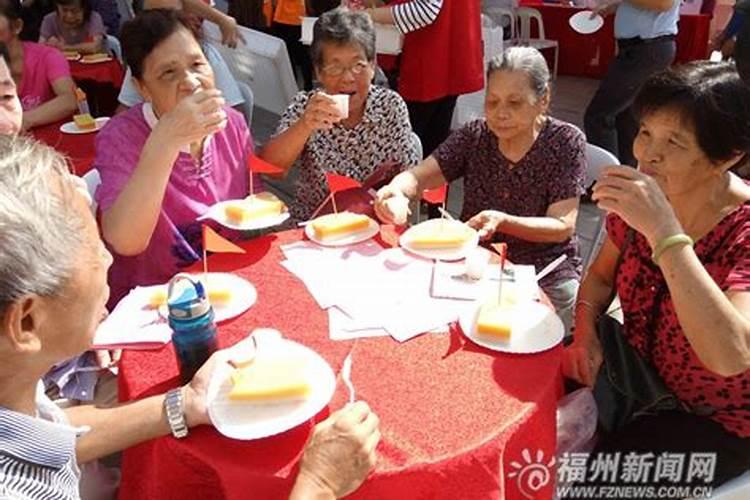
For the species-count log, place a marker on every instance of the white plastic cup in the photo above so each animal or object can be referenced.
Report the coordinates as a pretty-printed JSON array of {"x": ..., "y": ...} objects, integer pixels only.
[
  {"x": 476, "y": 263},
  {"x": 342, "y": 103}
]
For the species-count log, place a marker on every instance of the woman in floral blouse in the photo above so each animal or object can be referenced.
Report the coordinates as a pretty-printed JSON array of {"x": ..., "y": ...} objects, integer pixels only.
[
  {"x": 312, "y": 132},
  {"x": 522, "y": 170}
]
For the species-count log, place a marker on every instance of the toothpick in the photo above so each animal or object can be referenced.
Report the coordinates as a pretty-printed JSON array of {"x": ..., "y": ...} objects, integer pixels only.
[
  {"x": 502, "y": 250},
  {"x": 333, "y": 201},
  {"x": 252, "y": 191}
]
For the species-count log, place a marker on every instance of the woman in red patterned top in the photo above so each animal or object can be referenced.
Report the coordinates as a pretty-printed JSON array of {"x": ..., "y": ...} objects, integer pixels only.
[{"x": 686, "y": 306}]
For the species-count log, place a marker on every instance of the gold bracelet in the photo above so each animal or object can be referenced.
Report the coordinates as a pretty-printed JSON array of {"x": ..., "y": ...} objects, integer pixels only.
[{"x": 670, "y": 241}]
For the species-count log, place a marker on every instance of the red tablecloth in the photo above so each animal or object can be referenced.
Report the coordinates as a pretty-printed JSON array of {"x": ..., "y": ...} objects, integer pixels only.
[
  {"x": 104, "y": 72},
  {"x": 79, "y": 148},
  {"x": 590, "y": 55},
  {"x": 454, "y": 416}
]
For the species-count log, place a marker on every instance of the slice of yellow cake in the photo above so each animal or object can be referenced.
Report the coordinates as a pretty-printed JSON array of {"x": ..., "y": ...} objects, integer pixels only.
[
  {"x": 494, "y": 321},
  {"x": 340, "y": 224},
  {"x": 255, "y": 206},
  {"x": 270, "y": 380},
  {"x": 92, "y": 58},
  {"x": 217, "y": 296},
  {"x": 440, "y": 235},
  {"x": 85, "y": 121}
]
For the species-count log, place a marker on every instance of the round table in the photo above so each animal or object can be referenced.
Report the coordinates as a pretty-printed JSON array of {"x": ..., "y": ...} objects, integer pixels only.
[
  {"x": 457, "y": 420},
  {"x": 79, "y": 148}
]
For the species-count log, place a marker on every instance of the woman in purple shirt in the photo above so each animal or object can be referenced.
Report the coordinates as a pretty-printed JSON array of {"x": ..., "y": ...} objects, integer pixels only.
[
  {"x": 163, "y": 163},
  {"x": 523, "y": 174}
]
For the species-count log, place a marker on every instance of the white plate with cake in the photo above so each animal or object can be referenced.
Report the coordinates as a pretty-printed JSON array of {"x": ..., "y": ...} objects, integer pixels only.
[
  {"x": 257, "y": 211},
  {"x": 440, "y": 239},
  {"x": 341, "y": 229},
  {"x": 84, "y": 124},
  {"x": 230, "y": 295},
  {"x": 269, "y": 387},
  {"x": 95, "y": 58},
  {"x": 523, "y": 328}
]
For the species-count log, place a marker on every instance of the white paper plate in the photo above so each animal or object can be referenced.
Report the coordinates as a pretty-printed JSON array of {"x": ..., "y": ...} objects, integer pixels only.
[
  {"x": 349, "y": 239},
  {"x": 535, "y": 328},
  {"x": 75, "y": 57},
  {"x": 243, "y": 293},
  {"x": 245, "y": 420},
  {"x": 583, "y": 24},
  {"x": 216, "y": 212},
  {"x": 82, "y": 60},
  {"x": 439, "y": 253},
  {"x": 72, "y": 128}
]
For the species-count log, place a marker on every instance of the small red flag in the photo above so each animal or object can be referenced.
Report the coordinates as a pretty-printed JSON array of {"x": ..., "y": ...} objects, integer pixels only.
[
  {"x": 260, "y": 166},
  {"x": 213, "y": 242},
  {"x": 502, "y": 251},
  {"x": 338, "y": 182},
  {"x": 435, "y": 196}
]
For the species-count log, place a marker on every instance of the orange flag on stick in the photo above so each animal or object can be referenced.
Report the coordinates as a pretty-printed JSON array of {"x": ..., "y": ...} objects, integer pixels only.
[
  {"x": 338, "y": 182},
  {"x": 213, "y": 242},
  {"x": 436, "y": 196},
  {"x": 261, "y": 166}
]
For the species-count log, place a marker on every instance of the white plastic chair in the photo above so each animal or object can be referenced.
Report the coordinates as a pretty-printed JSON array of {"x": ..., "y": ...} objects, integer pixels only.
[
  {"x": 247, "y": 106},
  {"x": 113, "y": 45},
  {"x": 92, "y": 180},
  {"x": 262, "y": 62},
  {"x": 736, "y": 489},
  {"x": 499, "y": 15},
  {"x": 596, "y": 159},
  {"x": 525, "y": 15}
]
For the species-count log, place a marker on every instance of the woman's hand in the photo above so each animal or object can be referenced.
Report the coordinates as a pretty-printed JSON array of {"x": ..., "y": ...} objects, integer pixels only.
[
  {"x": 341, "y": 452},
  {"x": 107, "y": 359},
  {"x": 230, "y": 34},
  {"x": 320, "y": 113},
  {"x": 392, "y": 206},
  {"x": 192, "y": 119},
  {"x": 582, "y": 360},
  {"x": 638, "y": 200},
  {"x": 487, "y": 223}
]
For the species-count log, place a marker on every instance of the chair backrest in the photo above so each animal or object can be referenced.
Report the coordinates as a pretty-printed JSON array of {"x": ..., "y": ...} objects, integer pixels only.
[
  {"x": 247, "y": 106},
  {"x": 492, "y": 39},
  {"x": 92, "y": 180},
  {"x": 596, "y": 159},
  {"x": 113, "y": 44},
  {"x": 262, "y": 62},
  {"x": 499, "y": 14},
  {"x": 525, "y": 15}
]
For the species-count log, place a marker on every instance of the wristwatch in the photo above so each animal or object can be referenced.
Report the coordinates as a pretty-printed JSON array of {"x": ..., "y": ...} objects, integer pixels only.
[{"x": 176, "y": 413}]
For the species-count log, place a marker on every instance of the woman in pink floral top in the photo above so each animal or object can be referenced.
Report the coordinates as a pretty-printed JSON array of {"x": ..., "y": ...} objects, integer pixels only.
[{"x": 686, "y": 306}]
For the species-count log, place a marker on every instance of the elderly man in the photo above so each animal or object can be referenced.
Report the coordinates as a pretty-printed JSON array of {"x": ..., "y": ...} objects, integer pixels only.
[{"x": 53, "y": 289}]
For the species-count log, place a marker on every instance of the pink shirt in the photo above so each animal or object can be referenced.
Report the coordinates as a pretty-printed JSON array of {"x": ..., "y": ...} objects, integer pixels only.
[
  {"x": 42, "y": 66},
  {"x": 193, "y": 187}
]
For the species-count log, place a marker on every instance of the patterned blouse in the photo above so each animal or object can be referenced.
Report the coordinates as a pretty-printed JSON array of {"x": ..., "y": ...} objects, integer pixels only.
[
  {"x": 383, "y": 135},
  {"x": 552, "y": 170},
  {"x": 656, "y": 334}
]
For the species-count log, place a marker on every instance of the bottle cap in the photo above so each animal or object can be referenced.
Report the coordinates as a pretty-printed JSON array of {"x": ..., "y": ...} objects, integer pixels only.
[{"x": 186, "y": 298}]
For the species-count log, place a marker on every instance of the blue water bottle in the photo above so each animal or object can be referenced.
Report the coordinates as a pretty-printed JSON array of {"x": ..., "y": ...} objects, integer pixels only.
[{"x": 191, "y": 318}]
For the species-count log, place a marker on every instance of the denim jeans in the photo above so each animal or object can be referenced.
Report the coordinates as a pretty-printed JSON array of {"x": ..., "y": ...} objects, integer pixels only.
[{"x": 563, "y": 295}]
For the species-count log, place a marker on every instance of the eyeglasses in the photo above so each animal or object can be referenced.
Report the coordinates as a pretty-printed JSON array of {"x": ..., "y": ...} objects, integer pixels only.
[{"x": 335, "y": 70}]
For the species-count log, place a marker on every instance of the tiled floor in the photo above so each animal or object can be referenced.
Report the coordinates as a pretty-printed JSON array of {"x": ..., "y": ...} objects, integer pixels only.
[{"x": 570, "y": 97}]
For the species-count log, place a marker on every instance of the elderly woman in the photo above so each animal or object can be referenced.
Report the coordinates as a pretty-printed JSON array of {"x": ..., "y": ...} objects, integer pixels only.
[
  {"x": 163, "y": 163},
  {"x": 677, "y": 256},
  {"x": 315, "y": 134},
  {"x": 53, "y": 288},
  {"x": 523, "y": 173},
  {"x": 10, "y": 107},
  {"x": 42, "y": 74}
]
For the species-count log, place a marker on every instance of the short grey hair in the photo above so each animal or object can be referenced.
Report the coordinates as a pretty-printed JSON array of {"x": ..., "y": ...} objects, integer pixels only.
[
  {"x": 40, "y": 230},
  {"x": 342, "y": 26},
  {"x": 527, "y": 60}
]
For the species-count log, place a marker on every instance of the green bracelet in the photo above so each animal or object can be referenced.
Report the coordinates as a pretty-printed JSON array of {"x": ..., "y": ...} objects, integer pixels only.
[{"x": 670, "y": 241}]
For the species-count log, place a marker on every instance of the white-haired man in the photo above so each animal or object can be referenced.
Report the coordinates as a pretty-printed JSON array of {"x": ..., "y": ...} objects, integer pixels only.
[{"x": 53, "y": 289}]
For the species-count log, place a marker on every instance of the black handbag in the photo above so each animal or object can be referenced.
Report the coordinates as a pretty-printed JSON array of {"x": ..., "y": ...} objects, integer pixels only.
[{"x": 627, "y": 385}]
